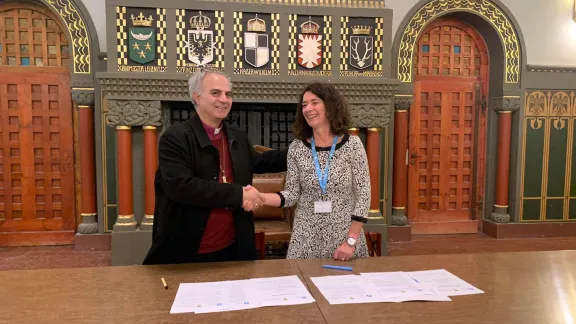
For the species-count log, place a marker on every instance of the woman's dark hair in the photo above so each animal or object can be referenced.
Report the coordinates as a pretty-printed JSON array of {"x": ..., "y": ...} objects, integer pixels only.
[{"x": 336, "y": 111}]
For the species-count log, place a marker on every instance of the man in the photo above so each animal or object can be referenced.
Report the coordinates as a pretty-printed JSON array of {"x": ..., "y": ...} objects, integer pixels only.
[{"x": 203, "y": 182}]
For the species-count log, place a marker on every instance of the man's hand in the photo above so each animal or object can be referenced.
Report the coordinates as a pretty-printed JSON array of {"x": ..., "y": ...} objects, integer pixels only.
[{"x": 252, "y": 198}]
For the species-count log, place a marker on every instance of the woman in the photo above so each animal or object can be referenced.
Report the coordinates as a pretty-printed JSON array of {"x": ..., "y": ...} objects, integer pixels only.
[{"x": 327, "y": 178}]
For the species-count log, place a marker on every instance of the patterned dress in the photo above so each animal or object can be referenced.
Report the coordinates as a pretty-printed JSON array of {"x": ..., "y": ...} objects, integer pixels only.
[{"x": 319, "y": 235}]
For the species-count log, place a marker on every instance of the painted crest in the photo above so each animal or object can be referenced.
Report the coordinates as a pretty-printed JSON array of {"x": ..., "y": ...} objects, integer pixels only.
[
  {"x": 256, "y": 51},
  {"x": 142, "y": 40},
  {"x": 200, "y": 41},
  {"x": 361, "y": 47},
  {"x": 309, "y": 45}
]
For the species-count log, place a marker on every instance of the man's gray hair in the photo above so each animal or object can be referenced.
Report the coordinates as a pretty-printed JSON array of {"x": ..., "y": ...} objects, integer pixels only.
[{"x": 196, "y": 82}]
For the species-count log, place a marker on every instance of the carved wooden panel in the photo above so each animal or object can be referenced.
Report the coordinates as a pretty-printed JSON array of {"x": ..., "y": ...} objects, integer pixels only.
[
  {"x": 31, "y": 37},
  {"x": 36, "y": 153},
  {"x": 442, "y": 151}
]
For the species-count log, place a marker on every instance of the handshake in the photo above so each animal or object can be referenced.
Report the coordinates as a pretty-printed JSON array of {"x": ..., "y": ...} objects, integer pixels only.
[{"x": 252, "y": 198}]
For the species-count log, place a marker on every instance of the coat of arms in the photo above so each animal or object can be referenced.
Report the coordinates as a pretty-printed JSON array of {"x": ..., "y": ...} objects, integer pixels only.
[
  {"x": 256, "y": 51},
  {"x": 200, "y": 41},
  {"x": 361, "y": 47},
  {"x": 309, "y": 45},
  {"x": 142, "y": 40}
]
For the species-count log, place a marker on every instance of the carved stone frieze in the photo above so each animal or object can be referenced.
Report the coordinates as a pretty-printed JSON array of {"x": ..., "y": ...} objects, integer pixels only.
[
  {"x": 83, "y": 92},
  {"x": 509, "y": 103},
  {"x": 370, "y": 115},
  {"x": 403, "y": 102},
  {"x": 156, "y": 89},
  {"x": 399, "y": 220},
  {"x": 133, "y": 113}
]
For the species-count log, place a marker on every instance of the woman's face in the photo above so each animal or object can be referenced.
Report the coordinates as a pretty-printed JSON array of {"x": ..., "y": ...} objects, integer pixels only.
[{"x": 313, "y": 110}]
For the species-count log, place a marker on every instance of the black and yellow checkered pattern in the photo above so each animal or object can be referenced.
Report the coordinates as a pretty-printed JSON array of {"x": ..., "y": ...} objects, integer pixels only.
[
  {"x": 238, "y": 63},
  {"x": 378, "y": 44},
  {"x": 292, "y": 42},
  {"x": 181, "y": 36},
  {"x": 275, "y": 42},
  {"x": 344, "y": 43},
  {"x": 161, "y": 26},
  {"x": 327, "y": 44},
  {"x": 121, "y": 36},
  {"x": 219, "y": 39}
]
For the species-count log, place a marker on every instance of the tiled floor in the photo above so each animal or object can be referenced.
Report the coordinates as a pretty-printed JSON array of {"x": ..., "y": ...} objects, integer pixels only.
[{"x": 66, "y": 257}]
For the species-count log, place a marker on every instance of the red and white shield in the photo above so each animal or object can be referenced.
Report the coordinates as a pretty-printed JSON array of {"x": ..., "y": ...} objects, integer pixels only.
[{"x": 309, "y": 50}]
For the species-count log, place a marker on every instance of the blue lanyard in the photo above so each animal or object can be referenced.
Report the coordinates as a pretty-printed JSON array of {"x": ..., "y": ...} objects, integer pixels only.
[{"x": 323, "y": 178}]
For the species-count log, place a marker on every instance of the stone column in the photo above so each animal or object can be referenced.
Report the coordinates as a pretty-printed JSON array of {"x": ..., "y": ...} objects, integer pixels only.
[
  {"x": 123, "y": 115},
  {"x": 505, "y": 111},
  {"x": 84, "y": 99},
  {"x": 400, "y": 176},
  {"x": 373, "y": 153},
  {"x": 150, "y": 165}
]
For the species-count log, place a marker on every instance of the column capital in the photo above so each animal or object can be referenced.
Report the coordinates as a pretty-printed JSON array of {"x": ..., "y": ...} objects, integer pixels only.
[
  {"x": 402, "y": 102},
  {"x": 370, "y": 115},
  {"x": 133, "y": 113},
  {"x": 83, "y": 93},
  {"x": 506, "y": 104}
]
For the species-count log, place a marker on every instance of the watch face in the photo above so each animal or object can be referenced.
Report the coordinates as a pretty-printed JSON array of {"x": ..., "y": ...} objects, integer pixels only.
[{"x": 351, "y": 241}]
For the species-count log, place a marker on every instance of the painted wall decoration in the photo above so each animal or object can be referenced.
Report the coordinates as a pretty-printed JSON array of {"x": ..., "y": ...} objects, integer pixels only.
[
  {"x": 548, "y": 163},
  {"x": 200, "y": 40},
  {"x": 310, "y": 45},
  {"x": 361, "y": 46},
  {"x": 141, "y": 39},
  {"x": 256, "y": 43}
]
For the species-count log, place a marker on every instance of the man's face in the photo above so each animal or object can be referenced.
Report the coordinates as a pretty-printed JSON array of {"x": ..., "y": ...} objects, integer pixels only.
[{"x": 215, "y": 98}]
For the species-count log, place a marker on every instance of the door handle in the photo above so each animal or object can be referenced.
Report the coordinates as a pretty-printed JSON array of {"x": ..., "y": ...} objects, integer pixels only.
[{"x": 414, "y": 156}]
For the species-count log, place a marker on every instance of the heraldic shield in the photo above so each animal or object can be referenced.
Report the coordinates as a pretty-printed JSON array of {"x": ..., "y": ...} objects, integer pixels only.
[
  {"x": 142, "y": 45},
  {"x": 309, "y": 50},
  {"x": 361, "y": 51},
  {"x": 200, "y": 46},
  {"x": 256, "y": 51}
]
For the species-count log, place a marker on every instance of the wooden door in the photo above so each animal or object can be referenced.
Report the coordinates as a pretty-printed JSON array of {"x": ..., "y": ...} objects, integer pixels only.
[
  {"x": 447, "y": 129},
  {"x": 36, "y": 159},
  {"x": 441, "y": 151}
]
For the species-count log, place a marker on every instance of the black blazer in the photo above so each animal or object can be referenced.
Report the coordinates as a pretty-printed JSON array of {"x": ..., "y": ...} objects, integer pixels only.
[{"x": 187, "y": 188}]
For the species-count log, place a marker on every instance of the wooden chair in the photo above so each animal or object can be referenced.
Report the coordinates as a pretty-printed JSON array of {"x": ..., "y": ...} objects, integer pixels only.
[
  {"x": 261, "y": 245},
  {"x": 374, "y": 241}
]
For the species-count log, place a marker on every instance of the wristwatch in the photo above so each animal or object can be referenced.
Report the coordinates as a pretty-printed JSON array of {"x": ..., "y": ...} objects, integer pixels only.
[{"x": 351, "y": 241}]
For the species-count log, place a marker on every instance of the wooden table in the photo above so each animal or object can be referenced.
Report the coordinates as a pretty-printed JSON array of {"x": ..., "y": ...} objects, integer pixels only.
[
  {"x": 526, "y": 287},
  {"x": 530, "y": 287},
  {"x": 135, "y": 294}
]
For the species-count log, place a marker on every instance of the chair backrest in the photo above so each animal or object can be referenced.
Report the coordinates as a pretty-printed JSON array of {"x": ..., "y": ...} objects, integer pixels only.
[
  {"x": 374, "y": 241},
  {"x": 271, "y": 183}
]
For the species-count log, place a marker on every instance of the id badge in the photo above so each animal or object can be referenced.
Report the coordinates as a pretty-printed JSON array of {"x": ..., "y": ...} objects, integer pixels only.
[{"x": 322, "y": 207}]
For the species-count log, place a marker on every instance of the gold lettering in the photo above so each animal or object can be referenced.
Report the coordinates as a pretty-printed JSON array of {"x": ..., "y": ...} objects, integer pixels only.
[
  {"x": 361, "y": 74},
  {"x": 256, "y": 72},
  {"x": 309, "y": 73},
  {"x": 194, "y": 69},
  {"x": 141, "y": 68}
]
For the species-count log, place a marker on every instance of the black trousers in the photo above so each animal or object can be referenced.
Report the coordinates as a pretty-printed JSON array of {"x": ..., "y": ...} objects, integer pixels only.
[{"x": 227, "y": 254}]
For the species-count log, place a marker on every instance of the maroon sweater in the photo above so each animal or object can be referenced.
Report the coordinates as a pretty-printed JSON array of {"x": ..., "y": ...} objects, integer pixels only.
[{"x": 220, "y": 232}]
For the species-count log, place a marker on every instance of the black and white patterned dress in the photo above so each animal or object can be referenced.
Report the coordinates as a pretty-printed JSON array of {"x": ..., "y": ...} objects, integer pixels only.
[{"x": 348, "y": 189}]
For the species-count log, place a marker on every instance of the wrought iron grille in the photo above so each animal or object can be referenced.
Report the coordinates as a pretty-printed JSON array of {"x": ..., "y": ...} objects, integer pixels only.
[{"x": 266, "y": 124}]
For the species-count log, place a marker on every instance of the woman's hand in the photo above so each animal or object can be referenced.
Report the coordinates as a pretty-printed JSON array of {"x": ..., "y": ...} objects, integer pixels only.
[{"x": 344, "y": 252}]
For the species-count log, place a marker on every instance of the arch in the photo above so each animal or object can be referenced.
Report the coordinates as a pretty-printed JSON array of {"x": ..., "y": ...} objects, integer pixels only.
[{"x": 494, "y": 13}]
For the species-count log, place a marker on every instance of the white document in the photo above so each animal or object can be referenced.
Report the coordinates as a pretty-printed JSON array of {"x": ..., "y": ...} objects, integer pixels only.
[
  {"x": 398, "y": 287},
  {"x": 443, "y": 283},
  {"x": 279, "y": 291},
  {"x": 345, "y": 289},
  {"x": 238, "y": 298},
  {"x": 200, "y": 297}
]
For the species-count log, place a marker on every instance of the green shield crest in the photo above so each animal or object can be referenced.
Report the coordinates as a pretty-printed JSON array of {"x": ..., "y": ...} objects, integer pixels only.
[{"x": 142, "y": 45}]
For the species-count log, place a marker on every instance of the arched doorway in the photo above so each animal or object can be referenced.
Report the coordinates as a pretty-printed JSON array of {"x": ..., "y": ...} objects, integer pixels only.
[
  {"x": 447, "y": 129},
  {"x": 37, "y": 173}
]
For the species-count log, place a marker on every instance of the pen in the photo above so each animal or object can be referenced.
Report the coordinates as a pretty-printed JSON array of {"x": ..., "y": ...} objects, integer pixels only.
[
  {"x": 337, "y": 267},
  {"x": 164, "y": 283}
]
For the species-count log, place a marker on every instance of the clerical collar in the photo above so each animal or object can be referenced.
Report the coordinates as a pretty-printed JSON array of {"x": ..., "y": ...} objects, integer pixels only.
[{"x": 211, "y": 131}]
